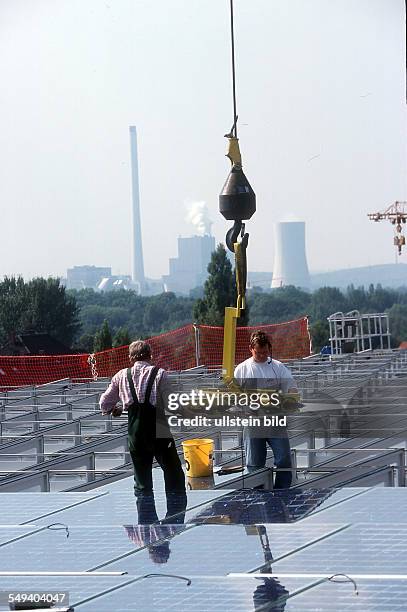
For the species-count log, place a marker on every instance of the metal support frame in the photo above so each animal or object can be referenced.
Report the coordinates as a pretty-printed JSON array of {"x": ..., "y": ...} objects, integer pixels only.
[{"x": 359, "y": 329}]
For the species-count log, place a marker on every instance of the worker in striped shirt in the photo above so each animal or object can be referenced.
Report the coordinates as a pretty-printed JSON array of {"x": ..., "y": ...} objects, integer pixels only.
[{"x": 143, "y": 391}]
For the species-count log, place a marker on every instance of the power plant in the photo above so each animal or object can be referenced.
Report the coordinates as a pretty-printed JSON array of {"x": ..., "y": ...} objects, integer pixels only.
[
  {"x": 189, "y": 269},
  {"x": 83, "y": 277},
  {"x": 290, "y": 260}
]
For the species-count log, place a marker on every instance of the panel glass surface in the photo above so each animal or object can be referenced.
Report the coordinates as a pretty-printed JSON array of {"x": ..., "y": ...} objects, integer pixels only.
[
  {"x": 205, "y": 549},
  {"x": 252, "y": 506},
  {"x": 16, "y": 508},
  {"x": 52, "y": 550},
  {"x": 378, "y": 505},
  {"x": 203, "y": 595},
  {"x": 383, "y": 595},
  {"x": 78, "y": 587},
  {"x": 215, "y": 549},
  {"x": 370, "y": 548},
  {"x": 119, "y": 508},
  {"x": 10, "y": 533}
]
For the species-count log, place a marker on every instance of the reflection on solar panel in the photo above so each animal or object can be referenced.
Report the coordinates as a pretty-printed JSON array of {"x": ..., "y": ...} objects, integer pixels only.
[{"x": 254, "y": 506}]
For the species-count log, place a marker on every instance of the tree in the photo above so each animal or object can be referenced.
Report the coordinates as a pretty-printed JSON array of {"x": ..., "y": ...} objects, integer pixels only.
[
  {"x": 157, "y": 311},
  {"x": 282, "y": 304},
  {"x": 52, "y": 310},
  {"x": 122, "y": 337},
  {"x": 327, "y": 300},
  {"x": 103, "y": 338},
  {"x": 84, "y": 344},
  {"x": 142, "y": 316},
  {"x": 319, "y": 334},
  {"x": 398, "y": 323},
  {"x": 41, "y": 305},
  {"x": 14, "y": 307},
  {"x": 219, "y": 290},
  {"x": 358, "y": 298}
]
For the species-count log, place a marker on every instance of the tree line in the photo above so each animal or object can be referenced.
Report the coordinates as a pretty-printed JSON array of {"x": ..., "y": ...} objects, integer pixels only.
[{"x": 89, "y": 321}]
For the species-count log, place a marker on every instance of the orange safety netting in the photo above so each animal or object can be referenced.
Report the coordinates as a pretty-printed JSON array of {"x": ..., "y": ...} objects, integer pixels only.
[
  {"x": 289, "y": 340},
  {"x": 180, "y": 349}
]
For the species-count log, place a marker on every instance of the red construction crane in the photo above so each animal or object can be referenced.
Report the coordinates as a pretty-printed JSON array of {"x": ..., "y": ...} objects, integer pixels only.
[{"x": 397, "y": 215}]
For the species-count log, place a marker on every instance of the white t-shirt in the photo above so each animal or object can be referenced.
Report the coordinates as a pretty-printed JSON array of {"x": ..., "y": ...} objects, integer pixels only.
[{"x": 273, "y": 374}]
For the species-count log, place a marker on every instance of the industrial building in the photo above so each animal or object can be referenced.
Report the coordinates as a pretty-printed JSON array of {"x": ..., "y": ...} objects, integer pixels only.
[
  {"x": 86, "y": 277},
  {"x": 189, "y": 269}
]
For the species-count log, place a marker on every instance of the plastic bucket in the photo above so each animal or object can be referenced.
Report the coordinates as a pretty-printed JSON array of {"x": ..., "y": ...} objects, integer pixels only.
[
  {"x": 200, "y": 484},
  {"x": 198, "y": 454}
]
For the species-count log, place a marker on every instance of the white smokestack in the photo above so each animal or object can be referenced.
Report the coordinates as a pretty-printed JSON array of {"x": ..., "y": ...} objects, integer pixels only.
[
  {"x": 290, "y": 261},
  {"x": 198, "y": 215},
  {"x": 138, "y": 262}
]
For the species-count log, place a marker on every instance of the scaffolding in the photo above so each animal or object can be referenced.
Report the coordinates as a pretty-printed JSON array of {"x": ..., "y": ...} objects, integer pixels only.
[{"x": 355, "y": 332}]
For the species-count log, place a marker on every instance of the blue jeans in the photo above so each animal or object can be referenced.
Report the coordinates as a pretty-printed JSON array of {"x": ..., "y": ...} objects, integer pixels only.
[{"x": 256, "y": 453}]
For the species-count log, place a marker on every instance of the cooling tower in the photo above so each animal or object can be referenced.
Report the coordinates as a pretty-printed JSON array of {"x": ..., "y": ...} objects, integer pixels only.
[
  {"x": 138, "y": 263},
  {"x": 290, "y": 260}
]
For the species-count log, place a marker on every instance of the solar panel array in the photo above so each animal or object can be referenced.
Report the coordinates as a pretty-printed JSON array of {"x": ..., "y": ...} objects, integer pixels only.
[
  {"x": 352, "y": 430},
  {"x": 91, "y": 546},
  {"x": 310, "y": 547}
]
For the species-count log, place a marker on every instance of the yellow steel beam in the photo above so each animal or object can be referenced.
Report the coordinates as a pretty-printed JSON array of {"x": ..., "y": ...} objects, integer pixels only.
[
  {"x": 232, "y": 314},
  {"x": 229, "y": 342}
]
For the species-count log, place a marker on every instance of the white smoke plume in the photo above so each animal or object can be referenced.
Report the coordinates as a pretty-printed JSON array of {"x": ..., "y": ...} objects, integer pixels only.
[{"x": 198, "y": 215}]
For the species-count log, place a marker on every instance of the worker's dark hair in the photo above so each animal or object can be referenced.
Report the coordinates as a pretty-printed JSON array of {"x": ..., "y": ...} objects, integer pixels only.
[
  {"x": 159, "y": 553},
  {"x": 261, "y": 338},
  {"x": 139, "y": 350}
]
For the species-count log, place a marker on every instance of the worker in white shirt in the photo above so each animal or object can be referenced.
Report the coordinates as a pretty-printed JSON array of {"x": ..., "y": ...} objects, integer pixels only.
[{"x": 260, "y": 371}]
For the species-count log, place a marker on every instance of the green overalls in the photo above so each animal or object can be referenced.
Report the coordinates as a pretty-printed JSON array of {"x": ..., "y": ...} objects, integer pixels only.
[{"x": 149, "y": 437}]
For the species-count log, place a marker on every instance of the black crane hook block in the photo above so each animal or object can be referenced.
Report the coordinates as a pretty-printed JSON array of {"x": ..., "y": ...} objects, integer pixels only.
[{"x": 237, "y": 200}]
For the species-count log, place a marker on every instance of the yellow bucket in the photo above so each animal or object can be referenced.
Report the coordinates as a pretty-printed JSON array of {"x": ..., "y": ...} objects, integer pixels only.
[{"x": 198, "y": 454}]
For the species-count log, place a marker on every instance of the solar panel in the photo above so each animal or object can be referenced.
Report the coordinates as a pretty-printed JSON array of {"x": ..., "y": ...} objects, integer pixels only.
[
  {"x": 207, "y": 594},
  {"x": 136, "y": 549},
  {"x": 203, "y": 595},
  {"x": 119, "y": 507},
  {"x": 378, "y": 505},
  {"x": 376, "y": 594},
  {"x": 78, "y": 587},
  {"x": 217, "y": 549},
  {"x": 10, "y": 533},
  {"x": 370, "y": 548},
  {"x": 316, "y": 531},
  {"x": 16, "y": 508},
  {"x": 250, "y": 506},
  {"x": 52, "y": 550}
]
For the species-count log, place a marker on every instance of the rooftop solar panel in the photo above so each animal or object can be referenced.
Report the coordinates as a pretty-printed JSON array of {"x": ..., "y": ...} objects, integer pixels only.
[
  {"x": 383, "y": 595},
  {"x": 126, "y": 594},
  {"x": 17, "y": 508},
  {"x": 216, "y": 549},
  {"x": 56, "y": 549},
  {"x": 122, "y": 594},
  {"x": 119, "y": 508},
  {"x": 78, "y": 587},
  {"x": 7, "y": 534},
  {"x": 251, "y": 506},
  {"x": 203, "y": 595},
  {"x": 379, "y": 505},
  {"x": 362, "y": 548}
]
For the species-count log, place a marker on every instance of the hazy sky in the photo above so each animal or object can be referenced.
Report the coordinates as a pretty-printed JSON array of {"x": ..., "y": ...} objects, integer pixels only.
[{"x": 322, "y": 113}]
